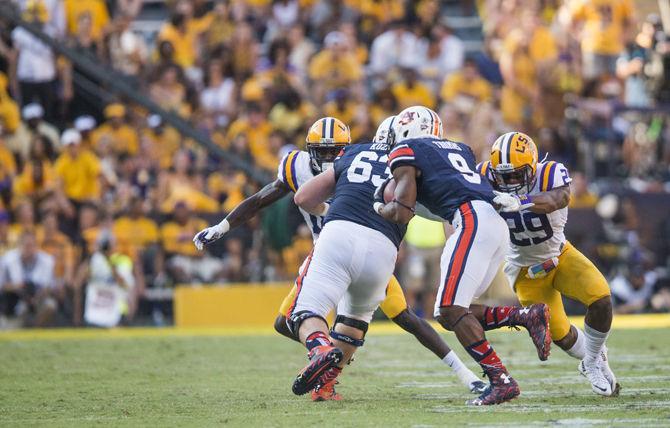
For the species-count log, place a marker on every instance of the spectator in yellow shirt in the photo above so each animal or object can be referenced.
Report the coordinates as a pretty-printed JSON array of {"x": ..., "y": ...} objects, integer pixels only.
[
  {"x": 115, "y": 132},
  {"x": 291, "y": 114},
  {"x": 57, "y": 244},
  {"x": 341, "y": 106},
  {"x": 7, "y": 173},
  {"x": 256, "y": 128},
  {"x": 580, "y": 195},
  {"x": 183, "y": 34},
  {"x": 168, "y": 92},
  {"x": 183, "y": 186},
  {"x": 24, "y": 221},
  {"x": 335, "y": 66},
  {"x": 96, "y": 8},
  {"x": 134, "y": 231},
  {"x": 294, "y": 254},
  {"x": 227, "y": 187},
  {"x": 347, "y": 110},
  {"x": 184, "y": 262},
  {"x": 379, "y": 11},
  {"x": 466, "y": 88},
  {"x": 10, "y": 117},
  {"x": 606, "y": 27},
  {"x": 77, "y": 169},
  {"x": 38, "y": 178},
  {"x": 269, "y": 160},
  {"x": 520, "y": 96},
  {"x": 384, "y": 104},
  {"x": 163, "y": 141},
  {"x": 411, "y": 92}
]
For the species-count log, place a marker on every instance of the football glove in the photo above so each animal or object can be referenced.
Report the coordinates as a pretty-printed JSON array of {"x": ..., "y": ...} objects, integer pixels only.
[
  {"x": 511, "y": 203},
  {"x": 210, "y": 234}
]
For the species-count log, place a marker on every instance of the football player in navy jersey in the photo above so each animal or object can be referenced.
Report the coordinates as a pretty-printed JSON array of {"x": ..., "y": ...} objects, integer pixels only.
[
  {"x": 440, "y": 174},
  {"x": 352, "y": 262},
  {"x": 296, "y": 169}
]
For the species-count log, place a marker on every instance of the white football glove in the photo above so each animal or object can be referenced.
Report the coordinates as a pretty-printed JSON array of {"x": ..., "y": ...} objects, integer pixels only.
[
  {"x": 210, "y": 234},
  {"x": 511, "y": 203}
]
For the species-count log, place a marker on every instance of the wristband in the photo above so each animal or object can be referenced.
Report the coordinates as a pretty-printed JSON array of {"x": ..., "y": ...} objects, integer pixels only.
[
  {"x": 377, "y": 206},
  {"x": 225, "y": 226},
  {"x": 525, "y": 199}
]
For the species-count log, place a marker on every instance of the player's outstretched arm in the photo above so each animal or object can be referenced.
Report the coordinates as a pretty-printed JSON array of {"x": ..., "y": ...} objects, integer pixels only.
[
  {"x": 242, "y": 213},
  {"x": 550, "y": 201},
  {"x": 401, "y": 208},
  {"x": 312, "y": 195}
]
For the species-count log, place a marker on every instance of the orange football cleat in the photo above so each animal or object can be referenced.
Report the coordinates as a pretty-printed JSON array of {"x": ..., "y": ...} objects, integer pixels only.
[{"x": 326, "y": 392}]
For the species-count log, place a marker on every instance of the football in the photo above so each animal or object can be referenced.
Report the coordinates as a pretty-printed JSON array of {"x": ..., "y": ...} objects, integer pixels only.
[{"x": 389, "y": 191}]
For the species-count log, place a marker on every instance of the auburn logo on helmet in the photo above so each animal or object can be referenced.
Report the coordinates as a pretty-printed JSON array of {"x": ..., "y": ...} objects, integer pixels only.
[{"x": 407, "y": 117}]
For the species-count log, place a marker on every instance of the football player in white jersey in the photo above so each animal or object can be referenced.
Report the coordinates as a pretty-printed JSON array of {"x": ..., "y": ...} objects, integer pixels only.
[
  {"x": 325, "y": 139},
  {"x": 542, "y": 266}
]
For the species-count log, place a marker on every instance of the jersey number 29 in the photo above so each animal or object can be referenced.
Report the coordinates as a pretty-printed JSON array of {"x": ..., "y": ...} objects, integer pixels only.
[{"x": 533, "y": 228}]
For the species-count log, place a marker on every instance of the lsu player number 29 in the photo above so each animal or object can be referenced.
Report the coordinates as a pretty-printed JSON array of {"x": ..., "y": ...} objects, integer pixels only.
[{"x": 541, "y": 265}]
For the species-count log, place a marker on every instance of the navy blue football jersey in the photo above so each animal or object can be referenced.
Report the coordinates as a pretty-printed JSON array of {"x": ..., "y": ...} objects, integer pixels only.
[
  {"x": 448, "y": 174},
  {"x": 359, "y": 170}
]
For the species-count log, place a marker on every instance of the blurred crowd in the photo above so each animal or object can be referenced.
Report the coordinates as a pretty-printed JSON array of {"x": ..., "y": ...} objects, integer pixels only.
[{"x": 97, "y": 191}]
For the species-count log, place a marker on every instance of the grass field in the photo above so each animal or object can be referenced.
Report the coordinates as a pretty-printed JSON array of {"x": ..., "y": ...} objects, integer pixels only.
[{"x": 182, "y": 380}]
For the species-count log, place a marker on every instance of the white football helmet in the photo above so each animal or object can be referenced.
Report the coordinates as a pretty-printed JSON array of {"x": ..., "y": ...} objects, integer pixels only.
[
  {"x": 417, "y": 122},
  {"x": 385, "y": 134}
]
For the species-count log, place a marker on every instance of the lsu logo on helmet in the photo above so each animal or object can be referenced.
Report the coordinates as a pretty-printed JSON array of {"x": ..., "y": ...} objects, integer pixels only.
[
  {"x": 514, "y": 162},
  {"x": 325, "y": 138}
]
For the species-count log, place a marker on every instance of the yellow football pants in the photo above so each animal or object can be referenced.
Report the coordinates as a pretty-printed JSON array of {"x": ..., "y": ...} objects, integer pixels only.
[{"x": 574, "y": 277}]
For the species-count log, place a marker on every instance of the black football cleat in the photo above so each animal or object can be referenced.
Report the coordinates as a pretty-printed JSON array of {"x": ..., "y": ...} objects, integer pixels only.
[{"x": 322, "y": 358}]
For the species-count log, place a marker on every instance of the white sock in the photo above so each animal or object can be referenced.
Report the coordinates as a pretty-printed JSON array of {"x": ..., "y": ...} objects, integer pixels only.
[
  {"x": 464, "y": 374},
  {"x": 578, "y": 350},
  {"x": 594, "y": 342}
]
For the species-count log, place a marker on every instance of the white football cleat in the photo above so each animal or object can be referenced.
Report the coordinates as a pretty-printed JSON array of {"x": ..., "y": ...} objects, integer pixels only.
[
  {"x": 608, "y": 373},
  {"x": 594, "y": 374}
]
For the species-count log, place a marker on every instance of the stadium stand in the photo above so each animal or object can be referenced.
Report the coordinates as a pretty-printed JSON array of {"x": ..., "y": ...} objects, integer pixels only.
[{"x": 127, "y": 125}]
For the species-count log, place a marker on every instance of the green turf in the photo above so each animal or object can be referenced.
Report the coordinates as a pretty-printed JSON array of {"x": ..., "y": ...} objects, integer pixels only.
[{"x": 245, "y": 381}]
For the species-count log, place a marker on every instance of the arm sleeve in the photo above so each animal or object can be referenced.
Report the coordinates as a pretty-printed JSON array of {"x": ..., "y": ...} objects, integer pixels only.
[
  {"x": 401, "y": 155},
  {"x": 553, "y": 175},
  {"x": 286, "y": 172}
]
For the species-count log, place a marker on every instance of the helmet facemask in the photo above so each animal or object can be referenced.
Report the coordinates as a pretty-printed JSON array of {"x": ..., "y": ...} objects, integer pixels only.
[
  {"x": 519, "y": 180},
  {"x": 322, "y": 155}
]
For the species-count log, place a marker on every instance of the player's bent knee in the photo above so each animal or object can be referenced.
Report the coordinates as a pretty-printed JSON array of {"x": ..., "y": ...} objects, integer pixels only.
[
  {"x": 405, "y": 319},
  {"x": 353, "y": 323},
  {"x": 450, "y": 316},
  {"x": 297, "y": 318},
  {"x": 602, "y": 305},
  {"x": 281, "y": 326}
]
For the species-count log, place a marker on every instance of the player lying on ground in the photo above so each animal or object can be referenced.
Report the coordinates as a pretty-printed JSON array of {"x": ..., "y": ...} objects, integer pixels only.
[
  {"x": 541, "y": 264},
  {"x": 325, "y": 139},
  {"x": 440, "y": 174}
]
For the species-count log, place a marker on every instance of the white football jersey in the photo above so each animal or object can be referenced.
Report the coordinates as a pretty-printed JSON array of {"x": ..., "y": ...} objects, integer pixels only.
[
  {"x": 294, "y": 171},
  {"x": 535, "y": 238}
]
